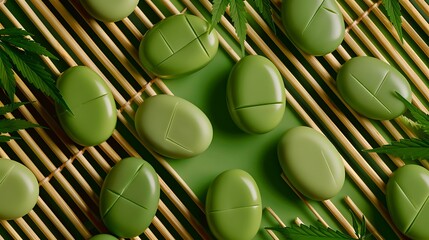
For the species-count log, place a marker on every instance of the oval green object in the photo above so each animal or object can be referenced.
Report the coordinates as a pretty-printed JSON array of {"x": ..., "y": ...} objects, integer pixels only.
[
  {"x": 103, "y": 237},
  {"x": 109, "y": 10},
  {"x": 407, "y": 196},
  {"x": 368, "y": 85},
  {"x": 19, "y": 190},
  {"x": 173, "y": 127},
  {"x": 129, "y": 197},
  {"x": 314, "y": 26},
  {"x": 93, "y": 116},
  {"x": 233, "y": 206},
  {"x": 311, "y": 163},
  {"x": 256, "y": 95},
  {"x": 177, "y": 46}
]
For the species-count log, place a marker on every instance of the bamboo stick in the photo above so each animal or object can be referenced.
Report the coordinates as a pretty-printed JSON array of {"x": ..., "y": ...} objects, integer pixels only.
[
  {"x": 328, "y": 204},
  {"x": 10, "y": 229},
  {"x": 41, "y": 225},
  {"x": 311, "y": 208},
  {"x": 277, "y": 218},
  {"x": 359, "y": 213},
  {"x": 420, "y": 20},
  {"x": 54, "y": 219},
  {"x": 174, "y": 221},
  {"x": 28, "y": 231},
  {"x": 424, "y": 6}
]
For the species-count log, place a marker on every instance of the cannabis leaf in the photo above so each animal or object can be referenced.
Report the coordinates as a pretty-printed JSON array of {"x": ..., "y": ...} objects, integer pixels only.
[
  {"x": 12, "y": 125},
  {"x": 239, "y": 15},
  {"x": 421, "y": 118},
  {"x": 393, "y": 9},
  {"x": 407, "y": 149},
  {"x": 264, "y": 8},
  {"x": 304, "y": 232},
  {"x": 20, "y": 54},
  {"x": 413, "y": 148}
]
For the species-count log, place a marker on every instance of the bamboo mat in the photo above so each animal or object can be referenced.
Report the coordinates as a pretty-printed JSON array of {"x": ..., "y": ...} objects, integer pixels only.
[{"x": 70, "y": 176}]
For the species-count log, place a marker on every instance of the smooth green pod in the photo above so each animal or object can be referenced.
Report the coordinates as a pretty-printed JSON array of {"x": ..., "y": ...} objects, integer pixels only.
[
  {"x": 311, "y": 163},
  {"x": 407, "y": 196},
  {"x": 173, "y": 127},
  {"x": 314, "y": 26},
  {"x": 177, "y": 46},
  {"x": 256, "y": 95},
  {"x": 234, "y": 206},
  {"x": 109, "y": 10},
  {"x": 93, "y": 116},
  {"x": 103, "y": 237},
  {"x": 19, "y": 190},
  {"x": 129, "y": 197},
  {"x": 368, "y": 85}
]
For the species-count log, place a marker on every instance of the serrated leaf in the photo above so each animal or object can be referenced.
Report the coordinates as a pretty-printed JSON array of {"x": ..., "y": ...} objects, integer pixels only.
[
  {"x": 7, "y": 79},
  {"x": 28, "y": 45},
  {"x": 413, "y": 126},
  {"x": 11, "y": 107},
  {"x": 14, "y": 32},
  {"x": 219, "y": 8},
  {"x": 421, "y": 117},
  {"x": 304, "y": 232},
  {"x": 264, "y": 8},
  {"x": 11, "y": 125},
  {"x": 356, "y": 224},
  {"x": 5, "y": 138},
  {"x": 393, "y": 9},
  {"x": 238, "y": 16},
  {"x": 34, "y": 73},
  {"x": 407, "y": 149}
]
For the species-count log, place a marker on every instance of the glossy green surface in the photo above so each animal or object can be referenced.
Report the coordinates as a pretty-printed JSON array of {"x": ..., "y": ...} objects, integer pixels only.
[
  {"x": 93, "y": 116},
  {"x": 173, "y": 127},
  {"x": 314, "y": 26},
  {"x": 103, "y": 237},
  {"x": 407, "y": 196},
  {"x": 19, "y": 190},
  {"x": 368, "y": 85},
  {"x": 110, "y": 10},
  {"x": 178, "y": 45},
  {"x": 311, "y": 163},
  {"x": 233, "y": 206},
  {"x": 129, "y": 197},
  {"x": 255, "y": 95}
]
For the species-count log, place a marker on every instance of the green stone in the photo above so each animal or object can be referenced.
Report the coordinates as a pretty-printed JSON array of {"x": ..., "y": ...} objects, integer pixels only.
[
  {"x": 233, "y": 206},
  {"x": 256, "y": 95},
  {"x": 177, "y": 46},
  {"x": 93, "y": 116},
  {"x": 368, "y": 85},
  {"x": 311, "y": 163},
  {"x": 173, "y": 127},
  {"x": 19, "y": 190},
  {"x": 103, "y": 237},
  {"x": 129, "y": 197},
  {"x": 407, "y": 196},
  {"x": 314, "y": 26},
  {"x": 109, "y": 10}
]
